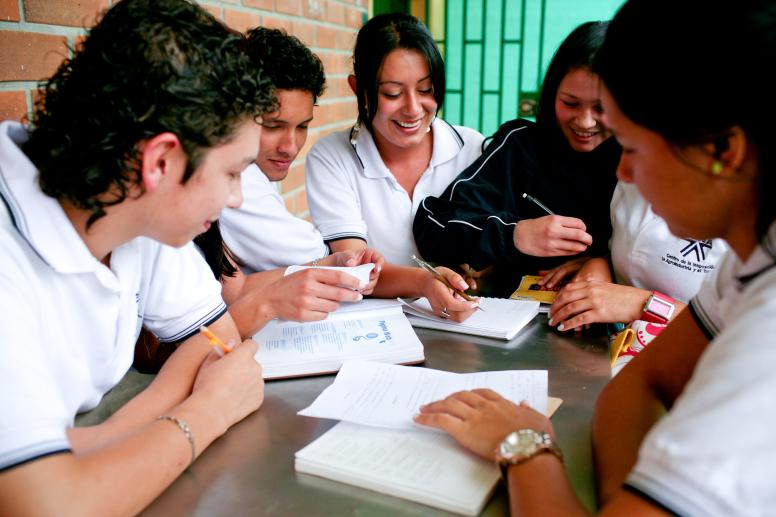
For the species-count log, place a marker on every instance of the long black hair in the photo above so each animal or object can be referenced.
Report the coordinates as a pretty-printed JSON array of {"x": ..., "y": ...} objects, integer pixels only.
[
  {"x": 577, "y": 51},
  {"x": 380, "y": 36},
  {"x": 692, "y": 70}
]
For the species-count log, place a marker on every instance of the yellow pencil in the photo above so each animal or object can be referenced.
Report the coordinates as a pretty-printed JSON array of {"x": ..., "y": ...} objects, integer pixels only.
[{"x": 215, "y": 341}]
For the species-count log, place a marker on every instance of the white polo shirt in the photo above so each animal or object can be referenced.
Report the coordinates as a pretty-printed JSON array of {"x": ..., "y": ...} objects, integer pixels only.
[
  {"x": 647, "y": 255},
  {"x": 68, "y": 323},
  {"x": 713, "y": 454},
  {"x": 262, "y": 233},
  {"x": 352, "y": 194}
]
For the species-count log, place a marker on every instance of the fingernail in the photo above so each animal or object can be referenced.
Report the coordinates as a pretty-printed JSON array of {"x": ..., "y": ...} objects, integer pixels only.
[
  {"x": 463, "y": 285},
  {"x": 551, "y": 322},
  {"x": 474, "y": 305},
  {"x": 360, "y": 297},
  {"x": 561, "y": 327}
]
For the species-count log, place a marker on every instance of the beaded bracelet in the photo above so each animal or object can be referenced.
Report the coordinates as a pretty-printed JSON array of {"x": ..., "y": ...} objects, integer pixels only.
[{"x": 183, "y": 426}]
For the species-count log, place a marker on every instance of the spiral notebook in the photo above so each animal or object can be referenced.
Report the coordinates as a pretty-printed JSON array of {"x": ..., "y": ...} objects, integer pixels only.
[{"x": 500, "y": 318}]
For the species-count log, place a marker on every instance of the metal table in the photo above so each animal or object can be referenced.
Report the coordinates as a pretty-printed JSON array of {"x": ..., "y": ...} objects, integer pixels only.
[{"x": 250, "y": 470}]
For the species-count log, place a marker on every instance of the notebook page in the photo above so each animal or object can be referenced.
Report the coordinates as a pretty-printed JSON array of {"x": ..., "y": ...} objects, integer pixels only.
[
  {"x": 425, "y": 467},
  {"x": 385, "y": 395},
  {"x": 498, "y": 313}
]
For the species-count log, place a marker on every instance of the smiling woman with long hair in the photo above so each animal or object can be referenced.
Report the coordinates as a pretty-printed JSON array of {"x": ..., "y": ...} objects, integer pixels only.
[
  {"x": 364, "y": 185},
  {"x": 566, "y": 160}
]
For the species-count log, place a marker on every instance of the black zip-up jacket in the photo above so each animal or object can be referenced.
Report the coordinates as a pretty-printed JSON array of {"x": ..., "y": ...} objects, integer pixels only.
[{"x": 473, "y": 221}]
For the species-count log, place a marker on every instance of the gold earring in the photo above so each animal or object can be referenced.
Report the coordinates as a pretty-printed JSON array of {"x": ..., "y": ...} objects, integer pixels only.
[{"x": 716, "y": 168}]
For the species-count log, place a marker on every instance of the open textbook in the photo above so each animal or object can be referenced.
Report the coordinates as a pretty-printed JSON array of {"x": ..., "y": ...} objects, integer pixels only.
[
  {"x": 405, "y": 460},
  {"x": 500, "y": 318},
  {"x": 373, "y": 330}
]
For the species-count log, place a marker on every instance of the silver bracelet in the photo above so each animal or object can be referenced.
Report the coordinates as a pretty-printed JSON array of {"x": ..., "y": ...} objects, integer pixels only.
[
  {"x": 183, "y": 426},
  {"x": 316, "y": 262}
]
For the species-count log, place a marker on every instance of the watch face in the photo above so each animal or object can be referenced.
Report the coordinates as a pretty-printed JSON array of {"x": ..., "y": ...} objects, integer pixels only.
[
  {"x": 520, "y": 444},
  {"x": 524, "y": 444},
  {"x": 660, "y": 307}
]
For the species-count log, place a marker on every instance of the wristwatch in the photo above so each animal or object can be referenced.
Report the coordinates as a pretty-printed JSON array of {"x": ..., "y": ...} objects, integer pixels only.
[
  {"x": 522, "y": 445},
  {"x": 659, "y": 308}
]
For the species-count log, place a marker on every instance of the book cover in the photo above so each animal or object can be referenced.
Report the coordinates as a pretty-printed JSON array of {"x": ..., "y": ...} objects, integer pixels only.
[
  {"x": 529, "y": 289},
  {"x": 370, "y": 330}
]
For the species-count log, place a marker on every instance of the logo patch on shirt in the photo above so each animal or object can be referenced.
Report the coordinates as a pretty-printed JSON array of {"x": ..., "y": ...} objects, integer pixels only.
[
  {"x": 693, "y": 256},
  {"x": 697, "y": 247}
]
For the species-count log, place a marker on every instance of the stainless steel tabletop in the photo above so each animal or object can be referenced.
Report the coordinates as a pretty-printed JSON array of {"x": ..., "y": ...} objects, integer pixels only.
[{"x": 250, "y": 470}]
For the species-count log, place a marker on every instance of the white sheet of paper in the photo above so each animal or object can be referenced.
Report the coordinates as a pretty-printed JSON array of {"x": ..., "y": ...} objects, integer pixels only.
[
  {"x": 361, "y": 272},
  {"x": 386, "y": 395}
]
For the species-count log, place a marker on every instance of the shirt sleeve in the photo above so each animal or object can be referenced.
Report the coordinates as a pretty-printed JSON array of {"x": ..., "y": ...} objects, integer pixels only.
[
  {"x": 263, "y": 234},
  {"x": 474, "y": 219},
  {"x": 180, "y": 294},
  {"x": 335, "y": 204},
  {"x": 713, "y": 453},
  {"x": 33, "y": 415}
]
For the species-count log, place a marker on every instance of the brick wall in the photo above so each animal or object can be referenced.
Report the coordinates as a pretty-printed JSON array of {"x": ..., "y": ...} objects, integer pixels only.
[{"x": 35, "y": 34}]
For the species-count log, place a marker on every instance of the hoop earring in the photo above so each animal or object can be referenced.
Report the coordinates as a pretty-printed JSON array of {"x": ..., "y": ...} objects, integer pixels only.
[{"x": 716, "y": 168}]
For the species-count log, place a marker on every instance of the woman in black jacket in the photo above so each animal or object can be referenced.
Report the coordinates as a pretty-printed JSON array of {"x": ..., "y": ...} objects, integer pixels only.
[{"x": 566, "y": 159}]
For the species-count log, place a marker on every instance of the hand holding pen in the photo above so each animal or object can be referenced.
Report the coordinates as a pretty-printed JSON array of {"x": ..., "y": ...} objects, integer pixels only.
[
  {"x": 551, "y": 235},
  {"x": 219, "y": 346},
  {"x": 441, "y": 278}
]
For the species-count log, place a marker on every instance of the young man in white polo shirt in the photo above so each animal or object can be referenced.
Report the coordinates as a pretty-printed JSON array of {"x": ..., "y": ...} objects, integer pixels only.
[
  {"x": 262, "y": 233},
  {"x": 262, "y": 236},
  {"x": 136, "y": 145}
]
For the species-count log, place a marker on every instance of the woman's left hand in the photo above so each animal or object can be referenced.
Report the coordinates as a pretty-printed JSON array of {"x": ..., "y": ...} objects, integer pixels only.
[
  {"x": 553, "y": 277},
  {"x": 481, "y": 419}
]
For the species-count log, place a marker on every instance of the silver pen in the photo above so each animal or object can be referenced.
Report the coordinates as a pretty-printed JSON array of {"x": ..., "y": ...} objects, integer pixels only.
[
  {"x": 538, "y": 203},
  {"x": 439, "y": 276}
]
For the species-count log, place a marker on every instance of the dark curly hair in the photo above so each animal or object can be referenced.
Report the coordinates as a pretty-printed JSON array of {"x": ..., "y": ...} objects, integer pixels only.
[
  {"x": 380, "y": 36},
  {"x": 288, "y": 63},
  {"x": 148, "y": 67}
]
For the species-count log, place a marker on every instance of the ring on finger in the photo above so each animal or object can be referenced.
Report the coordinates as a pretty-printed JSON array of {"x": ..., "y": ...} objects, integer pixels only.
[{"x": 445, "y": 314}]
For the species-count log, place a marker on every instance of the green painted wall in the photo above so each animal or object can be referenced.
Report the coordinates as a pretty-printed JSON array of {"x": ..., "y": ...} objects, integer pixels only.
[{"x": 496, "y": 52}]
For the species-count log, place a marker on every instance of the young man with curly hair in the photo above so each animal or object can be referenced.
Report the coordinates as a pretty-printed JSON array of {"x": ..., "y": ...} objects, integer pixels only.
[{"x": 136, "y": 145}]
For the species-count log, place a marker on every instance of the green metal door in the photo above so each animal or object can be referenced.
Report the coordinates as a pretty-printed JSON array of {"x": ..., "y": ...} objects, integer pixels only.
[{"x": 496, "y": 52}]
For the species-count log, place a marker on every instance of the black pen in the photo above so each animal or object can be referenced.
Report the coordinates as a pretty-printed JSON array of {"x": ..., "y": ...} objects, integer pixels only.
[{"x": 538, "y": 203}]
